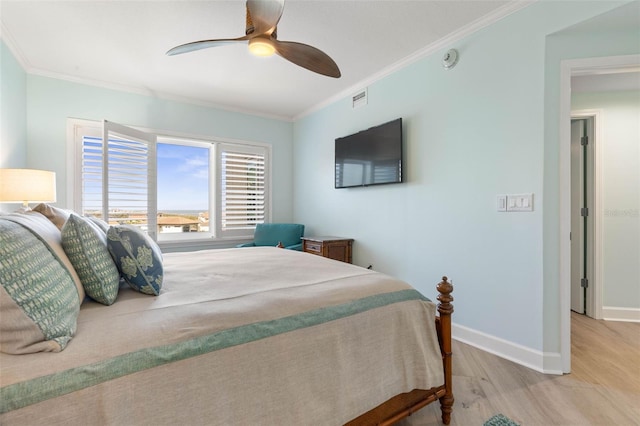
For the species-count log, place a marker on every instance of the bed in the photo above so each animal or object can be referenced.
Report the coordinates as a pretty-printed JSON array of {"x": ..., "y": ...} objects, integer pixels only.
[{"x": 236, "y": 336}]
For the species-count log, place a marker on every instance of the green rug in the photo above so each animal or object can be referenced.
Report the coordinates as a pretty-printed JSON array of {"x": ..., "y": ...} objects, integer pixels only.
[{"x": 500, "y": 420}]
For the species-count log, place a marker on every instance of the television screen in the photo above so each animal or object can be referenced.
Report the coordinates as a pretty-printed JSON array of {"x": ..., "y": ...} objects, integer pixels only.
[{"x": 370, "y": 157}]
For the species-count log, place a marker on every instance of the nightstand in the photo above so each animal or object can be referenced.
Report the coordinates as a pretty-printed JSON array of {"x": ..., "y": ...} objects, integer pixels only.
[{"x": 332, "y": 247}]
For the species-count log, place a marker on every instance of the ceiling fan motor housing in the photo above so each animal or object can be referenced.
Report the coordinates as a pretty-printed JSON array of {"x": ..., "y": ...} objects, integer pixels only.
[{"x": 250, "y": 28}]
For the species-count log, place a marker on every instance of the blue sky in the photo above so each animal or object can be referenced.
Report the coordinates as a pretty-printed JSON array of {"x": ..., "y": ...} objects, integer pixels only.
[{"x": 183, "y": 177}]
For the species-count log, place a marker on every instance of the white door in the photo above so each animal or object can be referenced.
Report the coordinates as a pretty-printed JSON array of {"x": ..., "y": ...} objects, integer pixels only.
[{"x": 582, "y": 213}]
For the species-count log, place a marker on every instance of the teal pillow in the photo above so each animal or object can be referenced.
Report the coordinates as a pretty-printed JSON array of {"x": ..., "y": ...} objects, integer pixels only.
[
  {"x": 137, "y": 257},
  {"x": 86, "y": 247},
  {"x": 39, "y": 302}
]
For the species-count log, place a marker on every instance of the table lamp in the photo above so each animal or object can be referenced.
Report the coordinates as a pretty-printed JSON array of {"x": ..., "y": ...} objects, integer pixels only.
[{"x": 27, "y": 186}]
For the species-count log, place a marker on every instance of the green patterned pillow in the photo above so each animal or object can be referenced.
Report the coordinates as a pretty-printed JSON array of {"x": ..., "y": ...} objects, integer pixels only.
[
  {"x": 86, "y": 247},
  {"x": 49, "y": 234},
  {"x": 137, "y": 257},
  {"x": 38, "y": 298}
]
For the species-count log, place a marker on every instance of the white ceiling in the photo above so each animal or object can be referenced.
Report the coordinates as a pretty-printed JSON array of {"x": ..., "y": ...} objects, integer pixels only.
[{"x": 122, "y": 45}]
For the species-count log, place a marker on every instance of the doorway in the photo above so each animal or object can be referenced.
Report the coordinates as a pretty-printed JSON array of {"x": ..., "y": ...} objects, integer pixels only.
[{"x": 568, "y": 69}]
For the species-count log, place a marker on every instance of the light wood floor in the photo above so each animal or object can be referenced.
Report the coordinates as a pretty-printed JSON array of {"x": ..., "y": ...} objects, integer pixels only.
[{"x": 603, "y": 388}]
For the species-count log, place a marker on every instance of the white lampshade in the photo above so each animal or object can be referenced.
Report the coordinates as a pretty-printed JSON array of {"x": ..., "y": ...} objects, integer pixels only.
[{"x": 27, "y": 185}]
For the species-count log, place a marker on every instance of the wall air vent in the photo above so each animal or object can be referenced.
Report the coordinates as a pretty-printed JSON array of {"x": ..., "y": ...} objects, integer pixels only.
[{"x": 359, "y": 99}]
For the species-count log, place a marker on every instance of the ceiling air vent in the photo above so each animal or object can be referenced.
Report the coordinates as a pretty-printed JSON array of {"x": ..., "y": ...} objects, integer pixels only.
[{"x": 359, "y": 99}]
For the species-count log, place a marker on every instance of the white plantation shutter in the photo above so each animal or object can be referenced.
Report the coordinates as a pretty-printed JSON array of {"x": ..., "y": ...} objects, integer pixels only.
[
  {"x": 129, "y": 177},
  {"x": 91, "y": 175},
  {"x": 243, "y": 197}
]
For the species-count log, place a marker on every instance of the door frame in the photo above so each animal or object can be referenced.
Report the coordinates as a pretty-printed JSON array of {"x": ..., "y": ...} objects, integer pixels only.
[{"x": 569, "y": 68}]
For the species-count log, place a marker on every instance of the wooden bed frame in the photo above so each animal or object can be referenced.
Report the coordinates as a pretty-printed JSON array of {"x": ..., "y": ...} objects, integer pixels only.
[{"x": 403, "y": 405}]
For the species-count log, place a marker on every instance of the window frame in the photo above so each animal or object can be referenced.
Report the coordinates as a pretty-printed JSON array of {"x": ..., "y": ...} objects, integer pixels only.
[{"x": 77, "y": 128}]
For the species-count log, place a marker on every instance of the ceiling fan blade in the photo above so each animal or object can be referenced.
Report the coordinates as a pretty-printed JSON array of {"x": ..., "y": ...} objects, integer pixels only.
[
  {"x": 203, "y": 44},
  {"x": 265, "y": 15},
  {"x": 307, "y": 57}
]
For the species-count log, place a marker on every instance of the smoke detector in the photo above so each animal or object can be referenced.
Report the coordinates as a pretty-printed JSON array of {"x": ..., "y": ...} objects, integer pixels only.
[{"x": 450, "y": 59}]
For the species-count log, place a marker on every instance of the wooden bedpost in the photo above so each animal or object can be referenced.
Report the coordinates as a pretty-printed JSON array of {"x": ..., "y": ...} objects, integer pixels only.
[{"x": 445, "y": 308}]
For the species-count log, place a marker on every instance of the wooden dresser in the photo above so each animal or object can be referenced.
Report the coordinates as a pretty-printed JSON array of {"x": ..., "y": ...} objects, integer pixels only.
[{"x": 336, "y": 248}]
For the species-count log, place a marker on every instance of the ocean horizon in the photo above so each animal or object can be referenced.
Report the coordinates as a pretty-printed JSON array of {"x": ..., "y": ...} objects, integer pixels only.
[{"x": 182, "y": 212}]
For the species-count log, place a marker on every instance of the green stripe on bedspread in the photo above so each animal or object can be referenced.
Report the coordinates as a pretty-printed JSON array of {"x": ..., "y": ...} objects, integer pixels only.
[{"x": 22, "y": 394}]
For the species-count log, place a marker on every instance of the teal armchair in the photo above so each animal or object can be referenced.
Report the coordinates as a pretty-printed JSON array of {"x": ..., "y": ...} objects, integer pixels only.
[{"x": 272, "y": 234}]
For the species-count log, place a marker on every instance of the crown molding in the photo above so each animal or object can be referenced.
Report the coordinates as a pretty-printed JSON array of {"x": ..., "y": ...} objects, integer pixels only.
[
  {"x": 9, "y": 41},
  {"x": 153, "y": 94}
]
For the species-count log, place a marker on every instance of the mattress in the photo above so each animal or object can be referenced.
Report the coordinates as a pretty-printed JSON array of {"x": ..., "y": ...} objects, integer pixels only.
[{"x": 238, "y": 336}]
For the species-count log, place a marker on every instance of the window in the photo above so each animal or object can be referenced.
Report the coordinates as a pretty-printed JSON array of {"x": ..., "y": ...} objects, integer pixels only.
[
  {"x": 172, "y": 187},
  {"x": 184, "y": 188}
]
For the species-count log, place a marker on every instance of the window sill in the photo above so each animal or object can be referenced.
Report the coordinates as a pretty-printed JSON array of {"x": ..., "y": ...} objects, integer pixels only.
[{"x": 204, "y": 244}]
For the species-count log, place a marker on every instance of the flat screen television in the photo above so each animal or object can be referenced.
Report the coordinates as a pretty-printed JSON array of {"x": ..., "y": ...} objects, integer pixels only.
[{"x": 370, "y": 157}]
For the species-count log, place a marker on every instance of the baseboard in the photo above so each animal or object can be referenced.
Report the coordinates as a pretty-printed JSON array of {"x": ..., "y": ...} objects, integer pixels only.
[
  {"x": 544, "y": 362},
  {"x": 611, "y": 313}
]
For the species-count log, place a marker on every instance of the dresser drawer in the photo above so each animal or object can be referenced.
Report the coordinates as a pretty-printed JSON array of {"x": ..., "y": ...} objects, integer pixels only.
[{"x": 313, "y": 247}]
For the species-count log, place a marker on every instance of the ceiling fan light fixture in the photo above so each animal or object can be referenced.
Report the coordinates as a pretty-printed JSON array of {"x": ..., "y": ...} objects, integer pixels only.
[
  {"x": 261, "y": 33},
  {"x": 261, "y": 46}
]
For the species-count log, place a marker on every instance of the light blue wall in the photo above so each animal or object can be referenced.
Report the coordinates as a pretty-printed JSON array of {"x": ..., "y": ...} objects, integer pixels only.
[
  {"x": 471, "y": 133},
  {"x": 13, "y": 111},
  {"x": 52, "y": 101},
  {"x": 620, "y": 168}
]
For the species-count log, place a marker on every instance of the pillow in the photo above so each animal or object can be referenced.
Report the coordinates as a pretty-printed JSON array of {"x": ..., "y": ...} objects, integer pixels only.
[
  {"x": 46, "y": 231},
  {"x": 86, "y": 246},
  {"x": 38, "y": 298},
  {"x": 104, "y": 226},
  {"x": 56, "y": 215},
  {"x": 137, "y": 257}
]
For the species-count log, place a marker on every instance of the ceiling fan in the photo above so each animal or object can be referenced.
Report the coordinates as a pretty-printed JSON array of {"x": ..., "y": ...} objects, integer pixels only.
[{"x": 262, "y": 35}]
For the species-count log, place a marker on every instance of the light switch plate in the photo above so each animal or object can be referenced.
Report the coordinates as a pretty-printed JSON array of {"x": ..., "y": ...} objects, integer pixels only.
[
  {"x": 501, "y": 203},
  {"x": 520, "y": 202}
]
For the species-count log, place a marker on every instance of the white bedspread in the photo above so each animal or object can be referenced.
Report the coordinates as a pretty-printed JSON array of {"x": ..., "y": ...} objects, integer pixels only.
[{"x": 240, "y": 336}]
